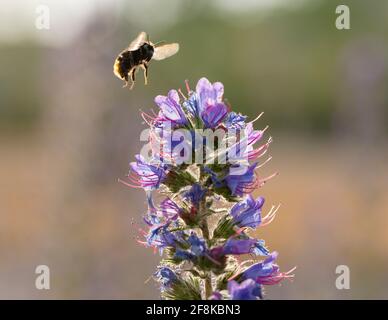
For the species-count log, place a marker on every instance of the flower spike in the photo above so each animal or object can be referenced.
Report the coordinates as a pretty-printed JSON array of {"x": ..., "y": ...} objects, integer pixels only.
[{"x": 205, "y": 160}]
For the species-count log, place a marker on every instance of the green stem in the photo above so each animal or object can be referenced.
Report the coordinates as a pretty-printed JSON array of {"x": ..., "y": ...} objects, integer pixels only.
[
  {"x": 205, "y": 230},
  {"x": 206, "y": 235},
  {"x": 208, "y": 278},
  {"x": 208, "y": 287}
]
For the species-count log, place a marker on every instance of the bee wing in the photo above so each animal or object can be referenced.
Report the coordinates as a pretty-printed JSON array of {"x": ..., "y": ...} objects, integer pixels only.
[
  {"x": 138, "y": 42},
  {"x": 164, "y": 51}
]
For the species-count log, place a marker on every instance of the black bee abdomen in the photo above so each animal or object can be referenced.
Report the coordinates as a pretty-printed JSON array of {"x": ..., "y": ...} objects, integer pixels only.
[{"x": 126, "y": 63}]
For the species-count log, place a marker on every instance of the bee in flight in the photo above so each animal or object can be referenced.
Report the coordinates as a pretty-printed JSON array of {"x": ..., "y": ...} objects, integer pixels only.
[{"x": 138, "y": 54}]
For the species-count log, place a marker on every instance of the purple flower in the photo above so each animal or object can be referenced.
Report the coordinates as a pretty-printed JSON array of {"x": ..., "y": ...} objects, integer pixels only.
[
  {"x": 235, "y": 120},
  {"x": 144, "y": 175},
  {"x": 165, "y": 276},
  {"x": 184, "y": 255},
  {"x": 160, "y": 237},
  {"x": 192, "y": 104},
  {"x": 197, "y": 249},
  {"x": 241, "y": 179},
  {"x": 195, "y": 194},
  {"x": 178, "y": 225},
  {"x": 244, "y": 246},
  {"x": 208, "y": 92},
  {"x": 246, "y": 290},
  {"x": 266, "y": 272},
  {"x": 252, "y": 137},
  {"x": 210, "y": 106},
  {"x": 198, "y": 246},
  {"x": 170, "y": 108},
  {"x": 217, "y": 181},
  {"x": 170, "y": 146},
  {"x": 244, "y": 149},
  {"x": 169, "y": 209},
  {"x": 247, "y": 213},
  {"x": 167, "y": 212},
  {"x": 216, "y": 296},
  {"x": 159, "y": 219},
  {"x": 213, "y": 114}
]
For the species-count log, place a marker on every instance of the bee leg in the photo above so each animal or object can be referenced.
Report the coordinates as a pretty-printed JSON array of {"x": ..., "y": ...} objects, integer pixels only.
[
  {"x": 125, "y": 79},
  {"x": 145, "y": 68},
  {"x": 131, "y": 74}
]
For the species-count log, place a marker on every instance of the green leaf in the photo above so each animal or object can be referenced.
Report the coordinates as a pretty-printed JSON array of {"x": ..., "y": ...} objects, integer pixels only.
[
  {"x": 222, "y": 281},
  {"x": 224, "y": 228},
  {"x": 178, "y": 179},
  {"x": 225, "y": 192},
  {"x": 184, "y": 289}
]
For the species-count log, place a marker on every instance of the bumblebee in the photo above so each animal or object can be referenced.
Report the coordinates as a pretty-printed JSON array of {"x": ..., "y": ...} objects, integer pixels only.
[{"x": 139, "y": 54}]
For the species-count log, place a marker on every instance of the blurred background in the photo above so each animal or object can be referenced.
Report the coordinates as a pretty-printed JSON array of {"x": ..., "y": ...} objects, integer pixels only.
[{"x": 68, "y": 131}]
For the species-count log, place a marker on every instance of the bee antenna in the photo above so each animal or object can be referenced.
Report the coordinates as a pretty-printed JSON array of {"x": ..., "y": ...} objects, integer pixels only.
[
  {"x": 159, "y": 42},
  {"x": 180, "y": 91}
]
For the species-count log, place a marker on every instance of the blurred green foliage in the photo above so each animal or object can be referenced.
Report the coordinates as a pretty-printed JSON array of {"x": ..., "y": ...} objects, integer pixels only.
[
  {"x": 285, "y": 62},
  {"x": 20, "y": 101}
]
